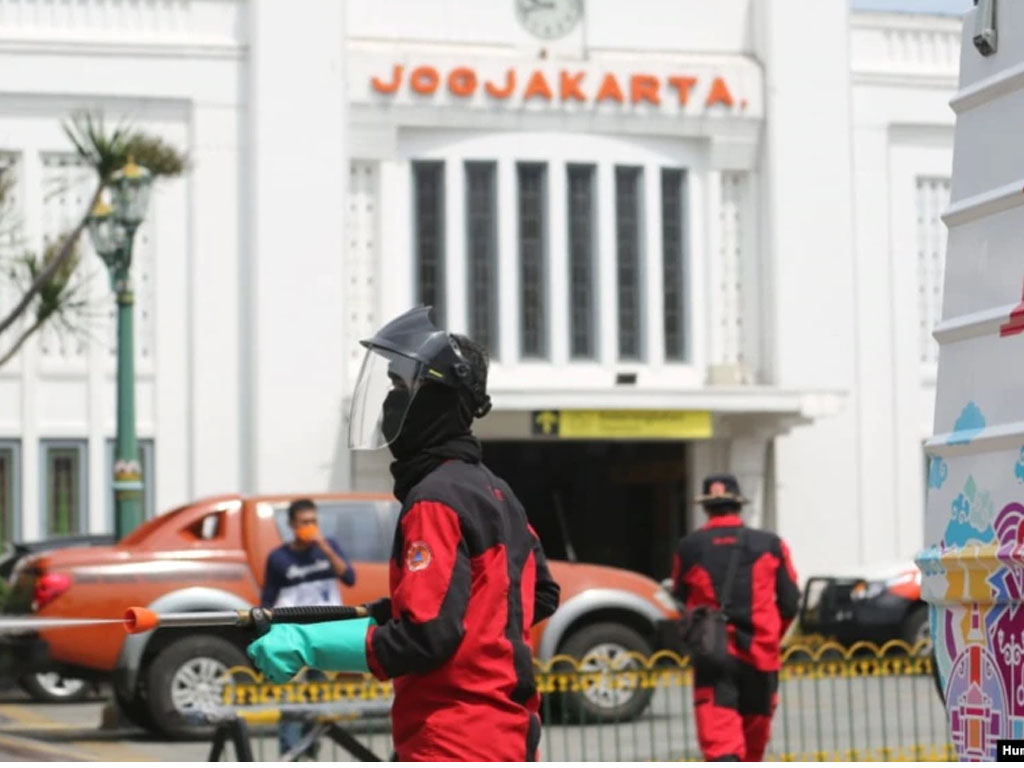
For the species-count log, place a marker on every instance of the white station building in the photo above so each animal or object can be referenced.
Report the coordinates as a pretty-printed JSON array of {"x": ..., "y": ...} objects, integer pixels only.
[{"x": 695, "y": 237}]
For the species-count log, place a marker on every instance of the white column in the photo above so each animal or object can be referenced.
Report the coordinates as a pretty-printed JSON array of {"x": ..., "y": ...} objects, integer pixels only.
[
  {"x": 752, "y": 287},
  {"x": 220, "y": 405},
  {"x": 653, "y": 297},
  {"x": 607, "y": 260},
  {"x": 297, "y": 242},
  {"x": 558, "y": 263},
  {"x": 455, "y": 255},
  {"x": 747, "y": 462},
  {"x": 508, "y": 262},
  {"x": 877, "y": 417},
  {"x": 175, "y": 252},
  {"x": 32, "y": 526},
  {"x": 99, "y": 403},
  {"x": 807, "y": 191},
  {"x": 396, "y": 278},
  {"x": 713, "y": 308},
  {"x": 697, "y": 249}
]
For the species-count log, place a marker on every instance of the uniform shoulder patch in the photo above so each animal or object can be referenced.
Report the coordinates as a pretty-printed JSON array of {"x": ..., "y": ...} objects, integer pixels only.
[{"x": 418, "y": 556}]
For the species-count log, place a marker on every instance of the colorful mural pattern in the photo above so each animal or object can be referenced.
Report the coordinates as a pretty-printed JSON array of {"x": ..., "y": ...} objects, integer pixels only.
[{"x": 975, "y": 574}]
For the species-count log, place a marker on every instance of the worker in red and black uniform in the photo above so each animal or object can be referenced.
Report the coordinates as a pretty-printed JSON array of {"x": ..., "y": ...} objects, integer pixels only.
[
  {"x": 468, "y": 575},
  {"x": 734, "y": 704}
]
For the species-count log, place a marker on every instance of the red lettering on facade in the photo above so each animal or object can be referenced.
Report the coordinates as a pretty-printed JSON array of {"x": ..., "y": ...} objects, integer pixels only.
[
  {"x": 462, "y": 81},
  {"x": 571, "y": 86},
  {"x": 396, "y": 80},
  {"x": 610, "y": 90},
  {"x": 682, "y": 86},
  {"x": 537, "y": 86},
  {"x": 644, "y": 88},
  {"x": 502, "y": 93},
  {"x": 719, "y": 93},
  {"x": 424, "y": 80}
]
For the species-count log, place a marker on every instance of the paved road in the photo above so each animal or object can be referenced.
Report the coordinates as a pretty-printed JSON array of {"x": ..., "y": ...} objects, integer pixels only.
[{"x": 814, "y": 715}]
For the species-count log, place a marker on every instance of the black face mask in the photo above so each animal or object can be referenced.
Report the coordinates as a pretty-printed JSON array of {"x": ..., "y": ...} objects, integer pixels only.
[
  {"x": 437, "y": 414},
  {"x": 396, "y": 403}
]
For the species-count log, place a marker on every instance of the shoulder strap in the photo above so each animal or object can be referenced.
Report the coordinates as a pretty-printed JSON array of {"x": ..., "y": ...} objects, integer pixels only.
[{"x": 730, "y": 574}]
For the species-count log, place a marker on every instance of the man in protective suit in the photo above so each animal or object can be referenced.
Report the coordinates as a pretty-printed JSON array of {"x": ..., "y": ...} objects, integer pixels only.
[
  {"x": 749, "y": 576},
  {"x": 468, "y": 575}
]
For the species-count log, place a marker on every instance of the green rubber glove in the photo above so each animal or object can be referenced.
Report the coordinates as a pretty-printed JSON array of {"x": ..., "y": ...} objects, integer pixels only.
[{"x": 330, "y": 646}]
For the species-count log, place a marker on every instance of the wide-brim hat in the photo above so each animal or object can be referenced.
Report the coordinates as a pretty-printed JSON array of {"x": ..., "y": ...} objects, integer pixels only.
[{"x": 720, "y": 490}]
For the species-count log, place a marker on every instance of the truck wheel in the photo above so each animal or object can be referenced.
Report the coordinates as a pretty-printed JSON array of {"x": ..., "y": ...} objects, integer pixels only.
[
  {"x": 915, "y": 631},
  {"x": 135, "y": 709},
  {"x": 53, "y": 687},
  {"x": 600, "y": 648},
  {"x": 187, "y": 677}
]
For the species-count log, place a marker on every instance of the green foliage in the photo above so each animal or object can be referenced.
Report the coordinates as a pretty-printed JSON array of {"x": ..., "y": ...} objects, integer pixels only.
[
  {"x": 51, "y": 290},
  {"x": 56, "y": 297},
  {"x": 108, "y": 151}
]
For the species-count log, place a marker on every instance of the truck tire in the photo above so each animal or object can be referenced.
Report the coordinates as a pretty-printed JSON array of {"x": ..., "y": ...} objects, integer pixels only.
[
  {"x": 185, "y": 677},
  {"x": 55, "y": 688},
  {"x": 135, "y": 710},
  {"x": 598, "y": 647}
]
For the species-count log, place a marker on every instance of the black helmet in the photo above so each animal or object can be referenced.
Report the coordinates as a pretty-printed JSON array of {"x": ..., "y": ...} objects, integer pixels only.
[{"x": 400, "y": 357}]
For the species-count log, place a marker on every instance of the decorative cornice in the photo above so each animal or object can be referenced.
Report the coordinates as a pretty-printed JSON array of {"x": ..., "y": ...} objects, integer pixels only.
[
  {"x": 195, "y": 28},
  {"x": 911, "y": 49}
]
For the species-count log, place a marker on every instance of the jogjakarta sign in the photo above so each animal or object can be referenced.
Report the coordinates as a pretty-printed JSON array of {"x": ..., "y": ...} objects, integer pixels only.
[{"x": 565, "y": 85}]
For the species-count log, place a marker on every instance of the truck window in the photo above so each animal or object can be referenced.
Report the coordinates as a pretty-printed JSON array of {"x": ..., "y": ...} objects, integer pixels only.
[
  {"x": 357, "y": 526},
  {"x": 209, "y": 526}
]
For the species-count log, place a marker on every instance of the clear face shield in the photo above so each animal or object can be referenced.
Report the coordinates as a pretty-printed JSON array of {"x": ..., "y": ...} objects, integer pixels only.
[{"x": 384, "y": 391}]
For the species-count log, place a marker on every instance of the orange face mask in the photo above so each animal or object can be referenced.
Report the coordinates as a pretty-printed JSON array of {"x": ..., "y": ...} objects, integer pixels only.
[{"x": 307, "y": 533}]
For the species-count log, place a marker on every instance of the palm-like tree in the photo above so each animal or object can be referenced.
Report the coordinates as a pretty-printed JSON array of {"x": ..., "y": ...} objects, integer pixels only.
[{"x": 50, "y": 291}]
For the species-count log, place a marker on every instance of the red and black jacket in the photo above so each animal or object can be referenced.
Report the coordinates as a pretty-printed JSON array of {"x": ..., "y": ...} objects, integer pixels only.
[
  {"x": 468, "y": 580},
  {"x": 765, "y": 595}
]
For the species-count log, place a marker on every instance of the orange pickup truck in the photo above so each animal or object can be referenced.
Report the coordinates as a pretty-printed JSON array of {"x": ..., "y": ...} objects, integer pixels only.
[{"x": 210, "y": 555}]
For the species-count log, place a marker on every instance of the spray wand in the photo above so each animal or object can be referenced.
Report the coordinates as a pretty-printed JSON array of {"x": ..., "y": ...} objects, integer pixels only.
[{"x": 138, "y": 620}]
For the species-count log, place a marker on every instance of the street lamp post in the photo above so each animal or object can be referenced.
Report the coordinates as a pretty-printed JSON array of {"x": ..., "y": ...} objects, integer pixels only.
[{"x": 112, "y": 231}]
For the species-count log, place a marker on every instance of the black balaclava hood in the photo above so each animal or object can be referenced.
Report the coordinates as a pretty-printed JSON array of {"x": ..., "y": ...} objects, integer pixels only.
[
  {"x": 438, "y": 413},
  {"x": 437, "y": 428}
]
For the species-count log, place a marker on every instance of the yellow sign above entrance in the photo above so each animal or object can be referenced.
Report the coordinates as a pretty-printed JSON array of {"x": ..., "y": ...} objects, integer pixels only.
[{"x": 622, "y": 425}]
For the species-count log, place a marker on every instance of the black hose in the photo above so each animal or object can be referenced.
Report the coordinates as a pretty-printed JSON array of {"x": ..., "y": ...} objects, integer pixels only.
[{"x": 311, "y": 614}]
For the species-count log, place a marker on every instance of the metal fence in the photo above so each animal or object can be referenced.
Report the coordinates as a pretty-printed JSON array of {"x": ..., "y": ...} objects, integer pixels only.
[{"x": 835, "y": 704}]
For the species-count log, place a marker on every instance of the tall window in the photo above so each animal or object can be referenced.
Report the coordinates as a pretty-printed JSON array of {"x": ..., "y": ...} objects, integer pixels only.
[
  {"x": 581, "y": 261},
  {"x": 147, "y": 458},
  {"x": 673, "y": 260},
  {"x": 428, "y": 210},
  {"x": 482, "y": 258},
  {"x": 932, "y": 200},
  {"x": 627, "y": 236},
  {"x": 9, "y": 475},
  {"x": 64, "y": 486},
  {"x": 532, "y": 179}
]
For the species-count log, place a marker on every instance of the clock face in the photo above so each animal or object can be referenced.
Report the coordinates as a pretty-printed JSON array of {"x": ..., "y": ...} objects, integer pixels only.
[{"x": 549, "y": 19}]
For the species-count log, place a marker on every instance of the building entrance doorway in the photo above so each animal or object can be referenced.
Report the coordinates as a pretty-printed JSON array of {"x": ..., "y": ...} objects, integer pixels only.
[{"x": 617, "y": 503}]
